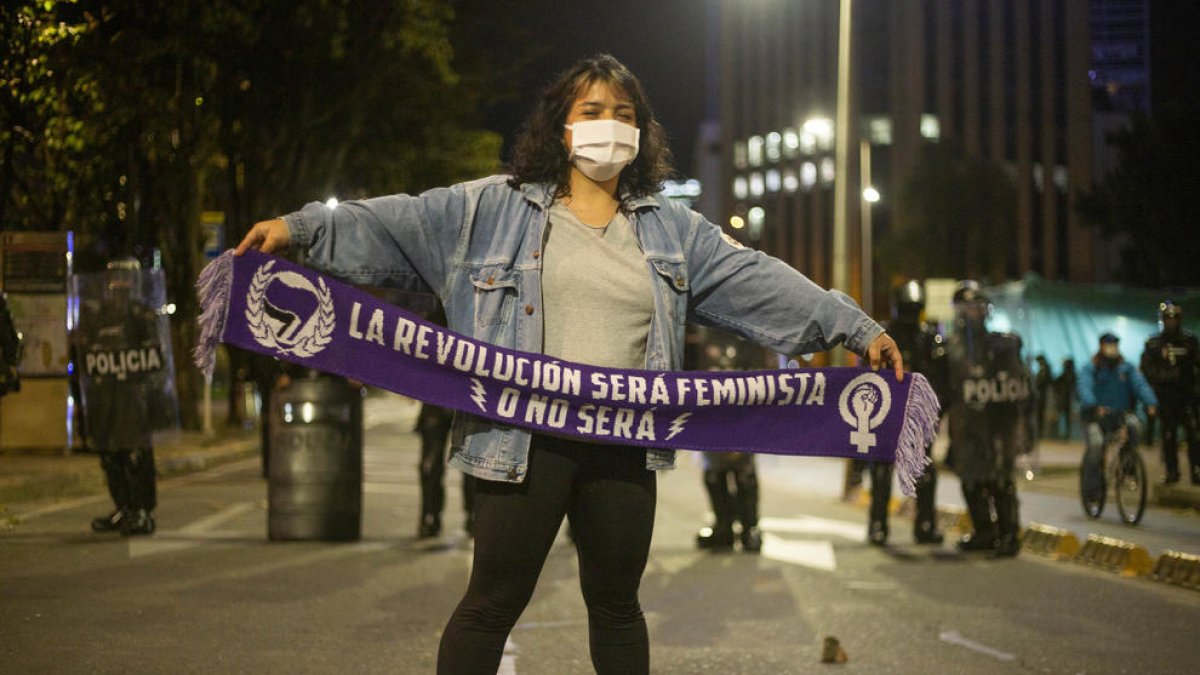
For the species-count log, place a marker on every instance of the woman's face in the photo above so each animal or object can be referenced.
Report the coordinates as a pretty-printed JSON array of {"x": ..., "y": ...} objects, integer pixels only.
[{"x": 600, "y": 101}]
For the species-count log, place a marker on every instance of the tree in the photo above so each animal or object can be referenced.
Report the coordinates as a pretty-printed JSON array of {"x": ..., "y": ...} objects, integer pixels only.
[
  {"x": 954, "y": 218},
  {"x": 1146, "y": 199},
  {"x": 124, "y": 119}
]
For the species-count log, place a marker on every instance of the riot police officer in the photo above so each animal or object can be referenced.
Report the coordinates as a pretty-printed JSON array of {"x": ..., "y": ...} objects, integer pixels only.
[
  {"x": 1169, "y": 362},
  {"x": 122, "y": 359},
  {"x": 924, "y": 352},
  {"x": 988, "y": 396}
]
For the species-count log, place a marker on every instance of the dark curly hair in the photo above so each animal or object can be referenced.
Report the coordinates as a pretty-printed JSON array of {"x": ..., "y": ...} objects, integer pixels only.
[{"x": 539, "y": 155}]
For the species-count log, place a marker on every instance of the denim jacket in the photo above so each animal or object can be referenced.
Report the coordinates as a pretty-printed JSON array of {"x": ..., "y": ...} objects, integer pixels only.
[{"x": 478, "y": 247}]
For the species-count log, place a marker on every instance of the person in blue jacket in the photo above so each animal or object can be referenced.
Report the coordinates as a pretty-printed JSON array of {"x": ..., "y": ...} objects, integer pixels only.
[
  {"x": 576, "y": 254},
  {"x": 1109, "y": 389}
]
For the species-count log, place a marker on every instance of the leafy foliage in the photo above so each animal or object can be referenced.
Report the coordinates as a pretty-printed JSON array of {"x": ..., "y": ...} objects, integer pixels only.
[{"x": 955, "y": 218}]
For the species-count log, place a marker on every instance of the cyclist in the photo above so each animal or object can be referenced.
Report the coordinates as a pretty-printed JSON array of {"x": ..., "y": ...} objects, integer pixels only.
[{"x": 1109, "y": 389}]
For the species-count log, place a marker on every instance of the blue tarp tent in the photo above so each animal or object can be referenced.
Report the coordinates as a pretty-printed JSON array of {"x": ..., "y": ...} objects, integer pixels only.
[{"x": 1062, "y": 320}]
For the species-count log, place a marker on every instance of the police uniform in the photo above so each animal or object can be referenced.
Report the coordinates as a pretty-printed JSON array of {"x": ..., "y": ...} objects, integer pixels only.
[
  {"x": 988, "y": 395},
  {"x": 121, "y": 361},
  {"x": 1169, "y": 362},
  {"x": 923, "y": 352}
]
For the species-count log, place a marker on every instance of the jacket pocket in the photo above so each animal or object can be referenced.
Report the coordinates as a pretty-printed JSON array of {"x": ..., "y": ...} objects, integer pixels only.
[
  {"x": 495, "y": 295},
  {"x": 675, "y": 273}
]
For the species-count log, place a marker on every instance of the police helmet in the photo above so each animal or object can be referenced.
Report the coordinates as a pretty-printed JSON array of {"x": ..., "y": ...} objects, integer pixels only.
[
  {"x": 1109, "y": 339},
  {"x": 1169, "y": 310},
  {"x": 969, "y": 292},
  {"x": 909, "y": 294}
]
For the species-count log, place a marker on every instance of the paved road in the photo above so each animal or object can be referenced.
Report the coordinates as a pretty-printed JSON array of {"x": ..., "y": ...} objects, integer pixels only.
[{"x": 209, "y": 594}]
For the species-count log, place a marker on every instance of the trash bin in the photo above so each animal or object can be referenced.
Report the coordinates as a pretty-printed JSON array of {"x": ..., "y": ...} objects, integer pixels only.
[{"x": 315, "y": 478}]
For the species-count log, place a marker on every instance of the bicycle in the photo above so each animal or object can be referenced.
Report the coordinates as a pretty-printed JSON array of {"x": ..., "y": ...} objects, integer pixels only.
[{"x": 1122, "y": 468}]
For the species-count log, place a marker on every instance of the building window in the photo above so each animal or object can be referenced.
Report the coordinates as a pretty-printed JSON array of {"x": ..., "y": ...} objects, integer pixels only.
[
  {"x": 791, "y": 143},
  {"x": 756, "y": 184},
  {"x": 1039, "y": 178},
  {"x": 740, "y": 188},
  {"x": 773, "y": 180},
  {"x": 827, "y": 170},
  {"x": 754, "y": 150},
  {"x": 757, "y": 218},
  {"x": 739, "y": 155},
  {"x": 879, "y": 130},
  {"x": 808, "y": 175},
  {"x": 930, "y": 127},
  {"x": 1060, "y": 178},
  {"x": 791, "y": 182},
  {"x": 774, "y": 141}
]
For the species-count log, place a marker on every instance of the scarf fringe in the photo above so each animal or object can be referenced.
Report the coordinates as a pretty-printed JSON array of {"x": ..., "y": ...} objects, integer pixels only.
[
  {"x": 213, "y": 288},
  {"x": 920, "y": 428}
]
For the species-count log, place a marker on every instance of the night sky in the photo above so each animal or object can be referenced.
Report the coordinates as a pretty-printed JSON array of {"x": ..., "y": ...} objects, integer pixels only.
[{"x": 662, "y": 41}]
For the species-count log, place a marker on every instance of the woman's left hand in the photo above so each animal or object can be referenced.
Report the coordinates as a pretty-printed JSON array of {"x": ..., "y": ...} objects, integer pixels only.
[{"x": 884, "y": 351}]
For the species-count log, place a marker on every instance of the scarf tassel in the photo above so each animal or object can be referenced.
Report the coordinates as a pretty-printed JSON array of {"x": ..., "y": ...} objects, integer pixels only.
[
  {"x": 920, "y": 428},
  {"x": 213, "y": 288}
]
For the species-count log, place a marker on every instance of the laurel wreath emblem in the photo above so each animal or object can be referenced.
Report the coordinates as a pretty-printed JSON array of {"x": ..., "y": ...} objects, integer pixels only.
[{"x": 310, "y": 343}]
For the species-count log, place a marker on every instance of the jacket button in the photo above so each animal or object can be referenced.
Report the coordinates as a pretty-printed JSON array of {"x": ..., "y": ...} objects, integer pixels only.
[
  {"x": 537, "y": 254},
  {"x": 679, "y": 282},
  {"x": 491, "y": 280},
  {"x": 529, "y": 309},
  {"x": 512, "y": 473}
]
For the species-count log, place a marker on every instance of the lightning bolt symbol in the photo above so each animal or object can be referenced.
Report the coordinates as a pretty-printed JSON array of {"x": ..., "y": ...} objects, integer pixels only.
[
  {"x": 478, "y": 394},
  {"x": 677, "y": 425}
]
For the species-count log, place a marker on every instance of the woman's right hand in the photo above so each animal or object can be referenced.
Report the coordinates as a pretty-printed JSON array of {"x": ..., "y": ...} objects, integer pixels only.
[{"x": 266, "y": 236}]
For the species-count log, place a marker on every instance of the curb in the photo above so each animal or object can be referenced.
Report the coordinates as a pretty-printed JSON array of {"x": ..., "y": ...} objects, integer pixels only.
[
  {"x": 1178, "y": 569},
  {"x": 1049, "y": 541},
  {"x": 1114, "y": 555}
]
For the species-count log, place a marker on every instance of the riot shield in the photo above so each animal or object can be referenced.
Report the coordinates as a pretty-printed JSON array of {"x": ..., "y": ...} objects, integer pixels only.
[{"x": 120, "y": 336}]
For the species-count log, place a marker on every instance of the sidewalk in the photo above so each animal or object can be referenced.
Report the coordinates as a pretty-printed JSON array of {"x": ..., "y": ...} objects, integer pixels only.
[{"x": 45, "y": 475}]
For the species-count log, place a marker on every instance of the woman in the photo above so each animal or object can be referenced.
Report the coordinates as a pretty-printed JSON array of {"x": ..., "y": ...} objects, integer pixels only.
[{"x": 574, "y": 255}]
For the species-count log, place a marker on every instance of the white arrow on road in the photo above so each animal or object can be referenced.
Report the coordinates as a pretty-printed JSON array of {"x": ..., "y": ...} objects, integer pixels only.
[
  {"x": 814, "y": 553},
  {"x": 192, "y": 534}
]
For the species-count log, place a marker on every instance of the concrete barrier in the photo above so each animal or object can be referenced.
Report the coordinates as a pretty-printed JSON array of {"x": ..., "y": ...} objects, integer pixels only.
[
  {"x": 1050, "y": 542},
  {"x": 1114, "y": 555},
  {"x": 1180, "y": 569}
]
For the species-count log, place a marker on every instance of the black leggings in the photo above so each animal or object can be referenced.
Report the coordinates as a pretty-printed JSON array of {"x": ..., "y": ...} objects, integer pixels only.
[{"x": 609, "y": 496}]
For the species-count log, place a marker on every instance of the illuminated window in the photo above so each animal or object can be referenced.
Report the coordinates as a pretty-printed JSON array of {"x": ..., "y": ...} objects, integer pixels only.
[
  {"x": 791, "y": 143},
  {"x": 791, "y": 182},
  {"x": 930, "y": 128},
  {"x": 1060, "y": 178},
  {"x": 754, "y": 150},
  {"x": 739, "y": 154},
  {"x": 774, "y": 141},
  {"x": 808, "y": 175},
  {"x": 821, "y": 129},
  {"x": 756, "y": 184},
  {"x": 827, "y": 172},
  {"x": 740, "y": 188},
  {"x": 879, "y": 130},
  {"x": 757, "y": 219},
  {"x": 1039, "y": 177},
  {"x": 773, "y": 180}
]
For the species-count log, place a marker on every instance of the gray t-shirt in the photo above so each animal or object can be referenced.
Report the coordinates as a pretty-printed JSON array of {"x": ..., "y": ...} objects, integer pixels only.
[{"x": 595, "y": 292}]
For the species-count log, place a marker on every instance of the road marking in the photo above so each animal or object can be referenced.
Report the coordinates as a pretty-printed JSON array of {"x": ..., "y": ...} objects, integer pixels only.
[
  {"x": 814, "y": 525},
  {"x": 508, "y": 662},
  {"x": 190, "y": 535},
  {"x": 955, "y": 638},
  {"x": 809, "y": 553}
]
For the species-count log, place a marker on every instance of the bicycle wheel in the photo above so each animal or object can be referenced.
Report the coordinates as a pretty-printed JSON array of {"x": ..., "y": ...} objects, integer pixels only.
[
  {"x": 1130, "y": 487},
  {"x": 1093, "y": 502}
]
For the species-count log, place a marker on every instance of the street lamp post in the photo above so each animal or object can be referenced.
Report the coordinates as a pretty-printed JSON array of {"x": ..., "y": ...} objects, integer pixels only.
[
  {"x": 841, "y": 201},
  {"x": 869, "y": 195}
]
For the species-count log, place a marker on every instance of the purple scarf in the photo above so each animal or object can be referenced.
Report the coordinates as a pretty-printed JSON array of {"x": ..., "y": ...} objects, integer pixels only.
[{"x": 268, "y": 305}]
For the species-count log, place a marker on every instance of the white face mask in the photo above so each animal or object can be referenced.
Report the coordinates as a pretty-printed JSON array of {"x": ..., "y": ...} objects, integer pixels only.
[{"x": 601, "y": 148}]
